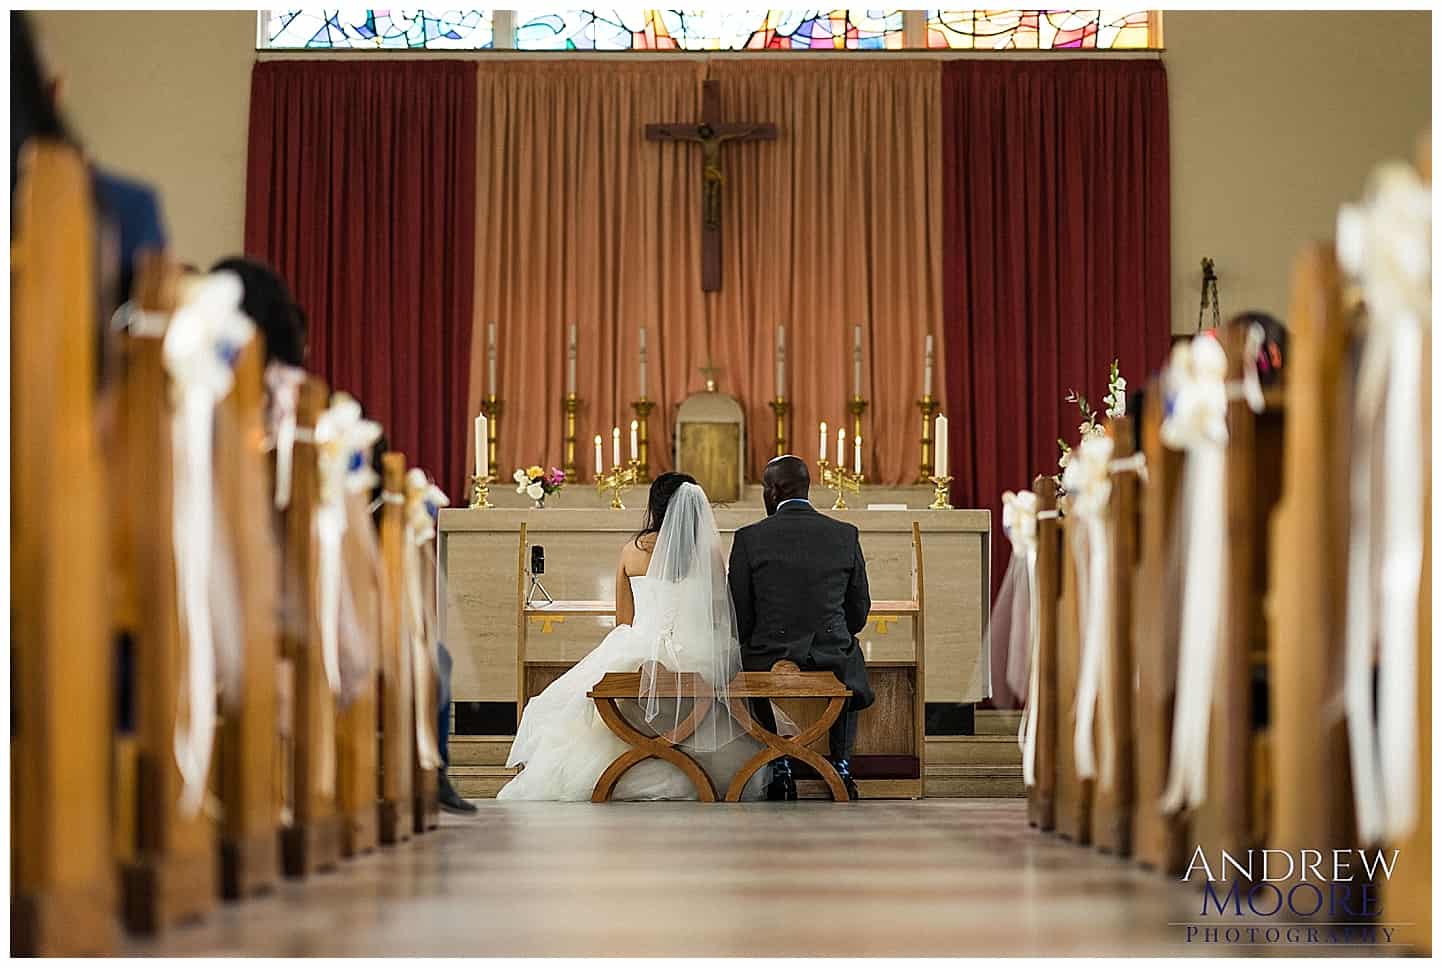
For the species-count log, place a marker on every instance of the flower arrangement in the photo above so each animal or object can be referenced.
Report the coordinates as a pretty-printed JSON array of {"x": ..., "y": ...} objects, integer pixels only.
[
  {"x": 538, "y": 484},
  {"x": 1116, "y": 406}
]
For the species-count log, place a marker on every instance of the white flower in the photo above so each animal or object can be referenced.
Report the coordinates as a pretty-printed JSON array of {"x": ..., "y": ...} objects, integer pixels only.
[
  {"x": 521, "y": 481},
  {"x": 535, "y": 492}
]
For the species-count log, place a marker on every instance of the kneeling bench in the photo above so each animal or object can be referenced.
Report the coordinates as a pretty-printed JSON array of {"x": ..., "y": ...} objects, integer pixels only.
[{"x": 784, "y": 681}]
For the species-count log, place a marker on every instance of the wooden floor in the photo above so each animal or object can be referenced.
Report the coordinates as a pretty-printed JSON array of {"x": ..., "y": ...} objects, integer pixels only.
[{"x": 924, "y": 878}]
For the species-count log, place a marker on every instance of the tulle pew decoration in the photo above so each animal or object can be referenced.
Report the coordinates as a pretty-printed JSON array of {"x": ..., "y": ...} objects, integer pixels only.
[{"x": 423, "y": 501}]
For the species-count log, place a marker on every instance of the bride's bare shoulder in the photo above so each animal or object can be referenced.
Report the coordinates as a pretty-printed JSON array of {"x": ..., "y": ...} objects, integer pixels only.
[{"x": 636, "y": 554}]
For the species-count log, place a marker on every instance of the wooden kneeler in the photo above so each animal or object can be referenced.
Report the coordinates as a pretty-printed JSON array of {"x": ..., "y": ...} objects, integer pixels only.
[
  {"x": 312, "y": 841},
  {"x": 397, "y": 721},
  {"x": 172, "y": 874},
  {"x": 247, "y": 751},
  {"x": 61, "y": 864},
  {"x": 357, "y": 762}
]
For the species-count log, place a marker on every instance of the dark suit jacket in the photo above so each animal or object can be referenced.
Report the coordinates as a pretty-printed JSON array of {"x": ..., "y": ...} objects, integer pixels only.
[{"x": 799, "y": 583}]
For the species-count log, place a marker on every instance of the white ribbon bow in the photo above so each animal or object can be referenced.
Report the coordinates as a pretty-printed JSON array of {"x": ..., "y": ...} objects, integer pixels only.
[
  {"x": 201, "y": 344},
  {"x": 283, "y": 383},
  {"x": 1386, "y": 244},
  {"x": 423, "y": 499},
  {"x": 1088, "y": 483}
]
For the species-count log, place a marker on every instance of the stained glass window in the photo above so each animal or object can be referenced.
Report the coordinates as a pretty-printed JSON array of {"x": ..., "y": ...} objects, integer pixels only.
[
  {"x": 709, "y": 30},
  {"x": 363, "y": 29},
  {"x": 1039, "y": 29}
]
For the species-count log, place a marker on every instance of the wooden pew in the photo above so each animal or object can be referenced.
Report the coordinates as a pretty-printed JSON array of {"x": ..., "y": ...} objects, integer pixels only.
[
  {"x": 1073, "y": 797},
  {"x": 357, "y": 755},
  {"x": 1114, "y": 795},
  {"x": 1312, "y": 797},
  {"x": 312, "y": 840},
  {"x": 397, "y": 720},
  {"x": 425, "y": 786},
  {"x": 61, "y": 865},
  {"x": 1041, "y": 806},
  {"x": 247, "y": 750},
  {"x": 1158, "y": 839},
  {"x": 1233, "y": 815},
  {"x": 172, "y": 874}
]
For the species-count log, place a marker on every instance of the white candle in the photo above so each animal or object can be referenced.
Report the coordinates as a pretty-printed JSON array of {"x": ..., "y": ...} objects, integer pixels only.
[
  {"x": 600, "y": 468},
  {"x": 857, "y": 445},
  {"x": 942, "y": 446},
  {"x": 643, "y": 362},
  {"x": 856, "y": 364},
  {"x": 635, "y": 426},
  {"x": 615, "y": 446},
  {"x": 929, "y": 360},
  {"x": 841, "y": 449},
  {"x": 823, "y": 440},
  {"x": 482, "y": 457},
  {"x": 571, "y": 362},
  {"x": 780, "y": 361},
  {"x": 491, "y": 357}
]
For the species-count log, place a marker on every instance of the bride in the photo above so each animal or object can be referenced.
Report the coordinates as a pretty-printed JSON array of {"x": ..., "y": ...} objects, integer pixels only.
[{"x": 673, "y": 607}]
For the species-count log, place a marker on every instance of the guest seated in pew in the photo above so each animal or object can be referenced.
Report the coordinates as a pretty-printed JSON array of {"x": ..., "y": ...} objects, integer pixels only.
[{"x": 269, "y": 304}]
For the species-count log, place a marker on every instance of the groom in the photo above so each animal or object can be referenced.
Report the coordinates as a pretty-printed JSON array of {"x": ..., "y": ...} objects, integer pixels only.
[{"x": 799, "y": 583}]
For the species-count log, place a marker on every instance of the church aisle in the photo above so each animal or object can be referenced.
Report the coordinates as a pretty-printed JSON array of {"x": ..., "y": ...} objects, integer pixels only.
[{"x": 922, "y": 878}]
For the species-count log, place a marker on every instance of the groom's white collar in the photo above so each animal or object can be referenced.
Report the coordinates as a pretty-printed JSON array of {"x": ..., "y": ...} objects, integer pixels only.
[{"x": 794, "y": 500}]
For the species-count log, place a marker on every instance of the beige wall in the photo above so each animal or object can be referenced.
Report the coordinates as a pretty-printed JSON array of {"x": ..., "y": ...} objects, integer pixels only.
[{"x": 1276, "y": 118}]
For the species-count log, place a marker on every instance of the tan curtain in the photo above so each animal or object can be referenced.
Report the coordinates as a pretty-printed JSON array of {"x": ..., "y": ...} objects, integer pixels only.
[{"x": 580, "y": 219}]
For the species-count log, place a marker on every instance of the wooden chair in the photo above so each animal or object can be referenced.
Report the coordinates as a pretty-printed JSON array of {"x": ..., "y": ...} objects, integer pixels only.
[
  {"x": 61, "y": 864},
  {"x": 1233, "y": 815},
  {"x": 172, "y": 873},
  {"x": 397, "y": 719},
  {"x": 247, "y": 746},
  {"x": 1113, "y": 806},
  {"x": 1073, "y": 796},
  {"x": 1312, "y": 800},
  {"x": 312, "y": 841},
  {"x": 1041, "y": 805},
  {"x": 1158, "y": 839},
  {"x": 357, "y": 755}
]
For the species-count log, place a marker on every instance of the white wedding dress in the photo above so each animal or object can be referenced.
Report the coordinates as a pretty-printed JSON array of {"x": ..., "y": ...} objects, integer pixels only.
[{"x": 684, "y": 621}]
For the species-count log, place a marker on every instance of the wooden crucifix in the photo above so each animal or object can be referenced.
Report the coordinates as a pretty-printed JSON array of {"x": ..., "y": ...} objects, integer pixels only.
[{"x": 711, "y": 134}]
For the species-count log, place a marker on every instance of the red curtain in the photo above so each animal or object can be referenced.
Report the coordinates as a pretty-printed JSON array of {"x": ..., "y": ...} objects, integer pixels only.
[
  {"x": 1056, "y": 257},
  {"x": 360, "y": 190}
]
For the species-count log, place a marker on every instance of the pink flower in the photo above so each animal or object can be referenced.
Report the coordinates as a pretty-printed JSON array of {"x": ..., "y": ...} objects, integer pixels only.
[{"x": 557, "y": 476}]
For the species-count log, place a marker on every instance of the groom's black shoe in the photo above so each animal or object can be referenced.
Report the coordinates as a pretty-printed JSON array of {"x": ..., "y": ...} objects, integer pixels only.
[
  {"x": 783, "y": 784},
  {"x": 450, "y": 800},
  {"x": 843, "y": 770}
]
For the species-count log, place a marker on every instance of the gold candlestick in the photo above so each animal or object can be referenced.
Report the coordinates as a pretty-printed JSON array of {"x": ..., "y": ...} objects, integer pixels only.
[
  {"x": 856, "y": 406},
  {"x": 571, "y": 404},
  {"x": 492, "y": 408},
  {"x": 941, "y": 500},
  {"x": 643, "y": 408},
  {"x": 480, "y": 492},
  {"x": 840, "y": 480},
  {"x": 616, "y": 480},
  {"x": 782, "y": 408},
  {"x": 928, "y": 406}
]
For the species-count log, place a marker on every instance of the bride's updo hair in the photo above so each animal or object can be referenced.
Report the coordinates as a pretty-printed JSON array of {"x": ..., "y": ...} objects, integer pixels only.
[{"x": 662, "y": 490}]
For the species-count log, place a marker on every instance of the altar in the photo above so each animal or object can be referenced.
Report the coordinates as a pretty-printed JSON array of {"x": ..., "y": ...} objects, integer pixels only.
[{"x": 482, "y": 572}]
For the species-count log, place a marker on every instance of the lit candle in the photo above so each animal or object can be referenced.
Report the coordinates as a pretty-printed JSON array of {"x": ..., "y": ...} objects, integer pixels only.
[
  {"x": 482, "y": 458},
  {"x": 491, "y": 356},
  {"x": 571, "y": 362},
  {"x": 780, "y": 361},
  {"x": 930, "y": 357},
  {"x": 857, "y": 446},
  {"x": 600, "y": 468},
  {"x": 856, "y": 364},
  {"x": 635, "y": 425},
  {"x": 942, "y": 445},
  {"x": 823, "y": 440},
  {"x": 615, "y": 446},
  {"x": 841, "y": 449}
]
